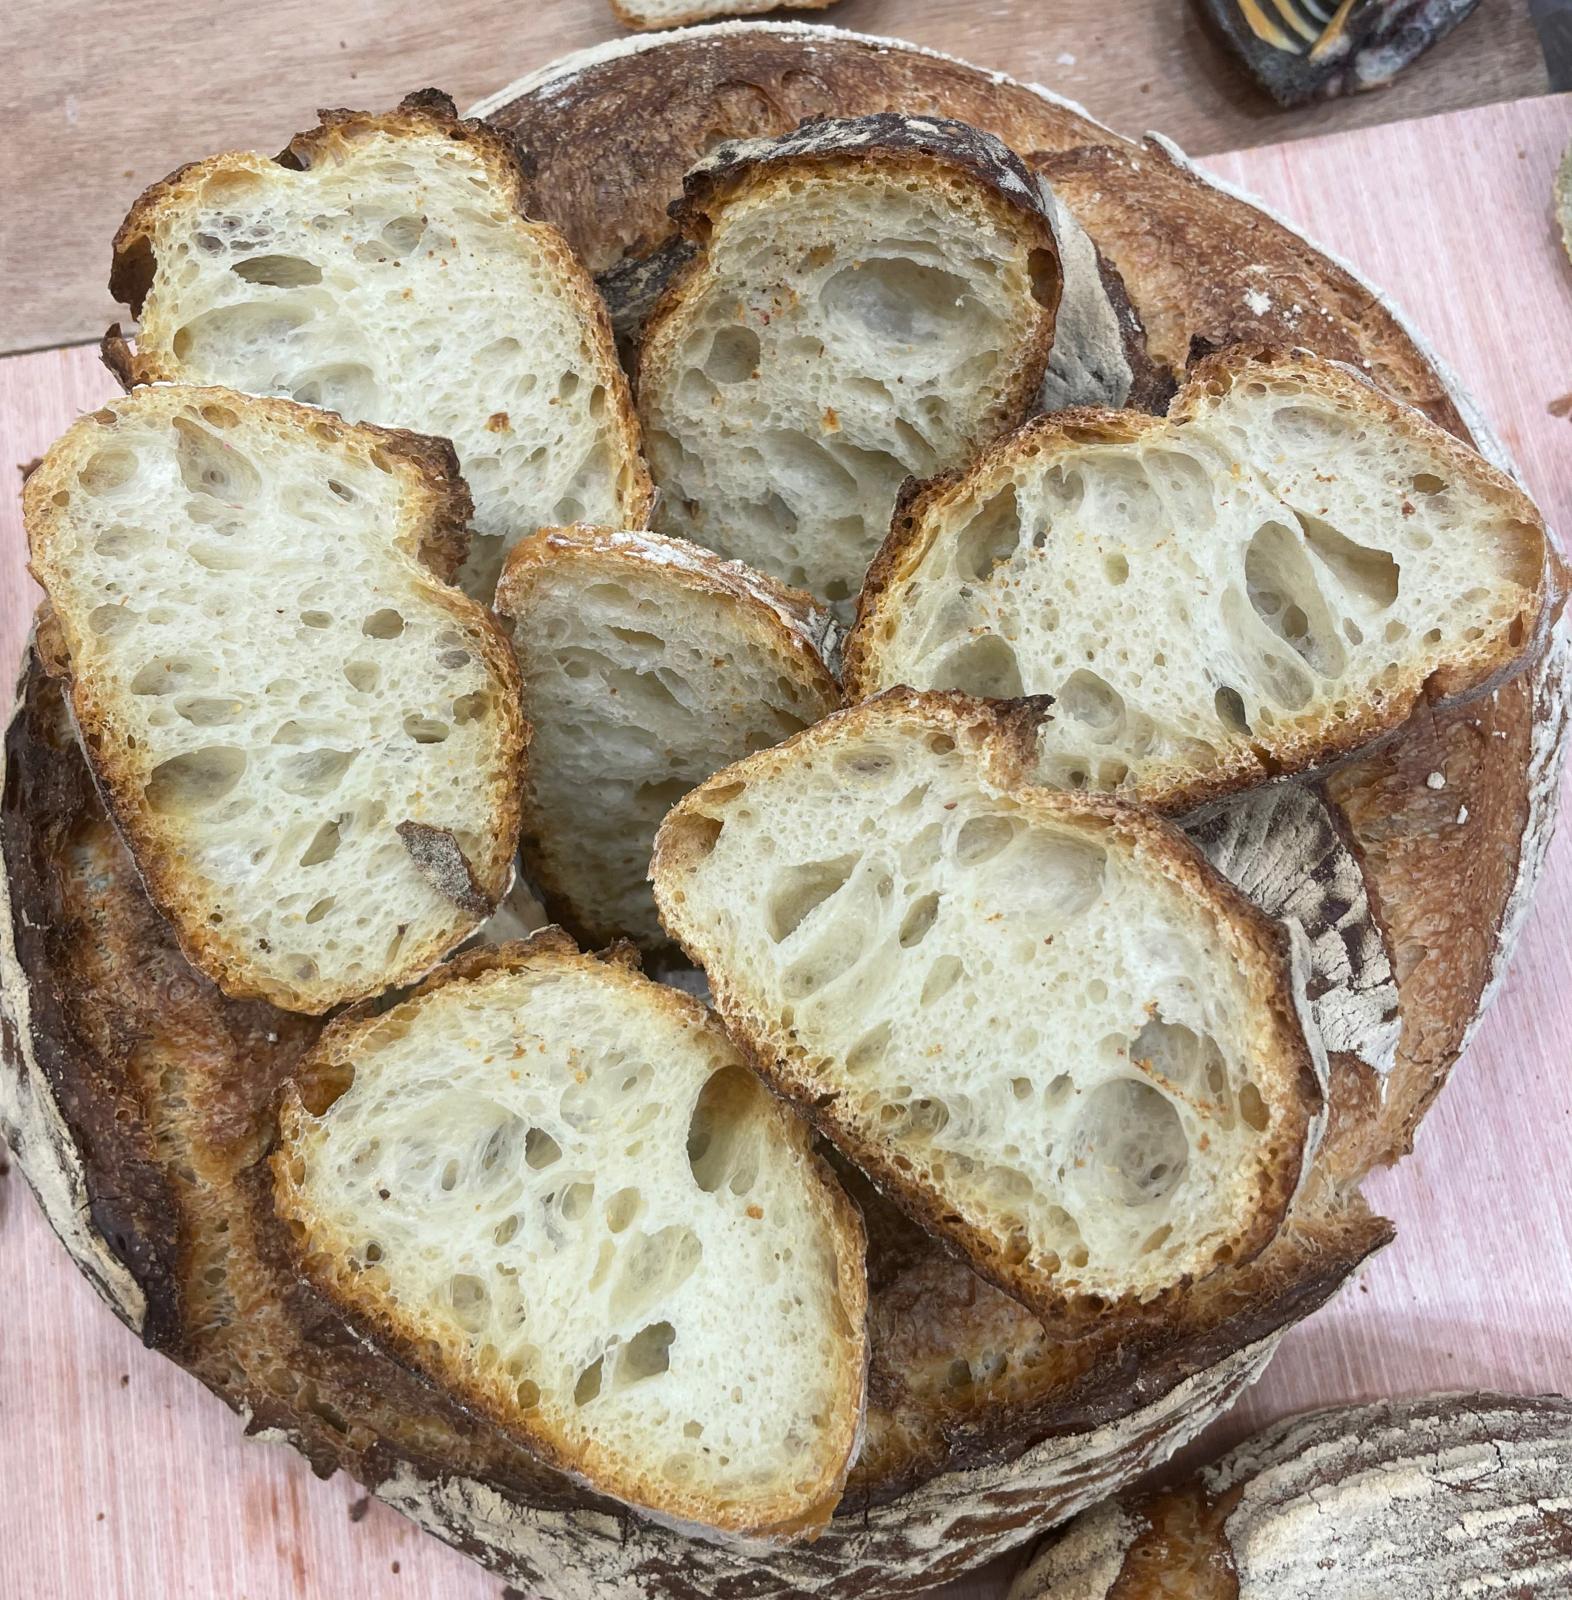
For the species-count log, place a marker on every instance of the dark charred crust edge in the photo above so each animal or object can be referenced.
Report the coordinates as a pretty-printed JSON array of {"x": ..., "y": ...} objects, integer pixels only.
[{"x": 132, "y": 1204}]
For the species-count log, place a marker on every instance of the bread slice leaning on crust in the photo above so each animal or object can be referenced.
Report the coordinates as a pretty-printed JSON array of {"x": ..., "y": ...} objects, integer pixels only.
[
  {"x": 647, "y": 664},
  {"x": 1271, "y": 578},
  {"x": 1042, "y": 1022},
  {"x": 279, "y": 696},
  {"x": 542, "y": 1180},
  {"x": 1460, "y": 1494},
  {"x": 1317, "y": 558},
  {"x": 872, "y": 298},
  {"x": 383, "y": 267}
]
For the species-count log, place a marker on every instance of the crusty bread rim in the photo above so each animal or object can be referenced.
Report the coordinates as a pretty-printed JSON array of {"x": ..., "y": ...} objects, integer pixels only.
[
  {"x": 1001, "y": 736},
  {"x": 134, "y": 266},
  {"x": 793, "y": 620},
  {"x": 932, "y": 147},
  {"x": 432, "y": 539},
  {"x": 778, "y": 1518},
  {"x": 1300, "y": 744}
]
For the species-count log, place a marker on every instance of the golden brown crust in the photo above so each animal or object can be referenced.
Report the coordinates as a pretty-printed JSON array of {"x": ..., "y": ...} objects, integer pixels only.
[
  {"x": 780, "y": 1514},
  {"x": 134, "y": 268},
  {"x": 434, "y": 513},
  {"x": 1298, "y": 745},
  {"x": 1000, "y": 738}
]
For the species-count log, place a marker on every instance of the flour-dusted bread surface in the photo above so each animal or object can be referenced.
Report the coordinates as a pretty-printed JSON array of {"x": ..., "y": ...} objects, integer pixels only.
[
  {"x": 1270, "y": 578},
  {"x": 1451, "y": 1494},
  {"x": 311, "y": 743},
  {"x": 553, "y": 1186},
  {"x": 383, "y": 267},
  {"x": 873, "y": 298},
  {"x": 644, "y": 14},
  {"x": 647, "y": 664},
  {"x": 1042, "y": 1021}
]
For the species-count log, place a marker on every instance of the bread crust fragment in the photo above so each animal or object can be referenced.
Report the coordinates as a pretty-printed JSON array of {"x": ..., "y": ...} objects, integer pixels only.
[{"x": 1449, "y": 1493}]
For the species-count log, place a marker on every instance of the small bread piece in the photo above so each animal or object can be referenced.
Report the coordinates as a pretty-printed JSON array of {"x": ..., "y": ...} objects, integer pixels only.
[
  {"x": 648, "y": 664},
  {"x": 1041, "y": 1021},
  {"x": 311, "y": 744},
  {"x": 647, "y": 14},
  {"x": 1453, "y": 1494},
  {"x": 553, "y": 1186},
  {"x": 1269, "y": 579},
  {"x": 874, "y": 298},
  {"x": 382, "y": 267}
]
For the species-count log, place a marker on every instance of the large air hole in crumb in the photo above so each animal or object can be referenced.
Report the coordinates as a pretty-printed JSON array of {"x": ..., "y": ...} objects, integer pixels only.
[
  {"x": 985, "y": 666},
  {"x": 801, "y": 890},
  {"x": 724, "y": 1132},
  {"x": 323, "y": 847},
  {"x": 383, "y": 624},
  {"x": 196, "y": 780},
  {"x": 1129, "y": 1143},
  {"x": 588, "y": 1386},
  {"x": 470, "y": 1300},
  {"x": 942, "y": 977},
  {"x": 990, "y": 537},
  {"x": 897, "y": 300},
  {"x": 1093, "y": 702},
  {"x": 314, "y": 773},
  {"x": 107, "y": 470},
  {"x": 919, "y": 918},
  {"x": 1367, "y": 574},
  {"x": 646, "y": 1355},
  {"x": 540, "y": 1149},
  {"x": 734, "y": 355},
  {"x": 982, "y": 838},
  {"x": 652, "y": 1267},
  {"x": 1229, "y": 705},
  {"x": 1285, "y": 595},
  {"x": 209, "y": 465},
  {"x": 278, "y": 272}
]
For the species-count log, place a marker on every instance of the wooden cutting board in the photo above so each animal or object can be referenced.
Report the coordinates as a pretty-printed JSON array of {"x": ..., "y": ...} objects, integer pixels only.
[{"x": 121, "y": 1479}]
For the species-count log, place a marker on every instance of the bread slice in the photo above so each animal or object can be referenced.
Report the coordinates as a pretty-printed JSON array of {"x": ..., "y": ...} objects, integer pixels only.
[
  {"x": 1271, "y": 578},
  {"x": 382, "y": 267},
  {"x": 1041, "y": 1020},
  {"x": 647, "y": 664},
  {"x": 311, "y": 743},
  {"x": 552, "y": 1186},
  {"x": 646, "y": 14},
  {"x": 874, "y": 298}
]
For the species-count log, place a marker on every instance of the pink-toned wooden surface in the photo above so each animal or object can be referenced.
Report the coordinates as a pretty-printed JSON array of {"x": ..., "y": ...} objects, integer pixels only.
[{"x": 121, "y": 1479}]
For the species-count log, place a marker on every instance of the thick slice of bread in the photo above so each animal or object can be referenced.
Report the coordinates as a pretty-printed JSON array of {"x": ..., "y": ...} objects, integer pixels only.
[
  {"x": 1269, "y": 579},
  {"x": 312, "y": 745},
  {"x": 552, "y": 1185},
  {"x": 873, "y": 298},
  {"x": 647, "y": 665},
  {"x": 1041, "y": 1020},
  {"x": 646, "y": 14},
  {"x": 383, "y": 267}
]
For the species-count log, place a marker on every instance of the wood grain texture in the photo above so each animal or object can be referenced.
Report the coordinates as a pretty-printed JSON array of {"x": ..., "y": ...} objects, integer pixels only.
[
  {"x": 122, "y": 1479},
  {"x": 101, "y": 99}
]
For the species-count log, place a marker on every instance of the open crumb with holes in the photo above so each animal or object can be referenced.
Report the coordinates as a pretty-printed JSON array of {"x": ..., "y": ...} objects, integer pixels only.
[
  {"x": 552, "y": 1185},
  {"x": 382, "y": 267},
  {"x": 282, "y": 702},
  {"x": 647, "y": 664},
  {"x": 1041, "y": 1020},
  {"x": 874, "y": 298},
  {"x": 1270, "y": 578}
]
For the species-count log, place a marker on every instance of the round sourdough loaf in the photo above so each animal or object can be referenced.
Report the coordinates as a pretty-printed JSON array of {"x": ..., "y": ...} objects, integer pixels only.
[{"x": 139, "y": 1102}]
